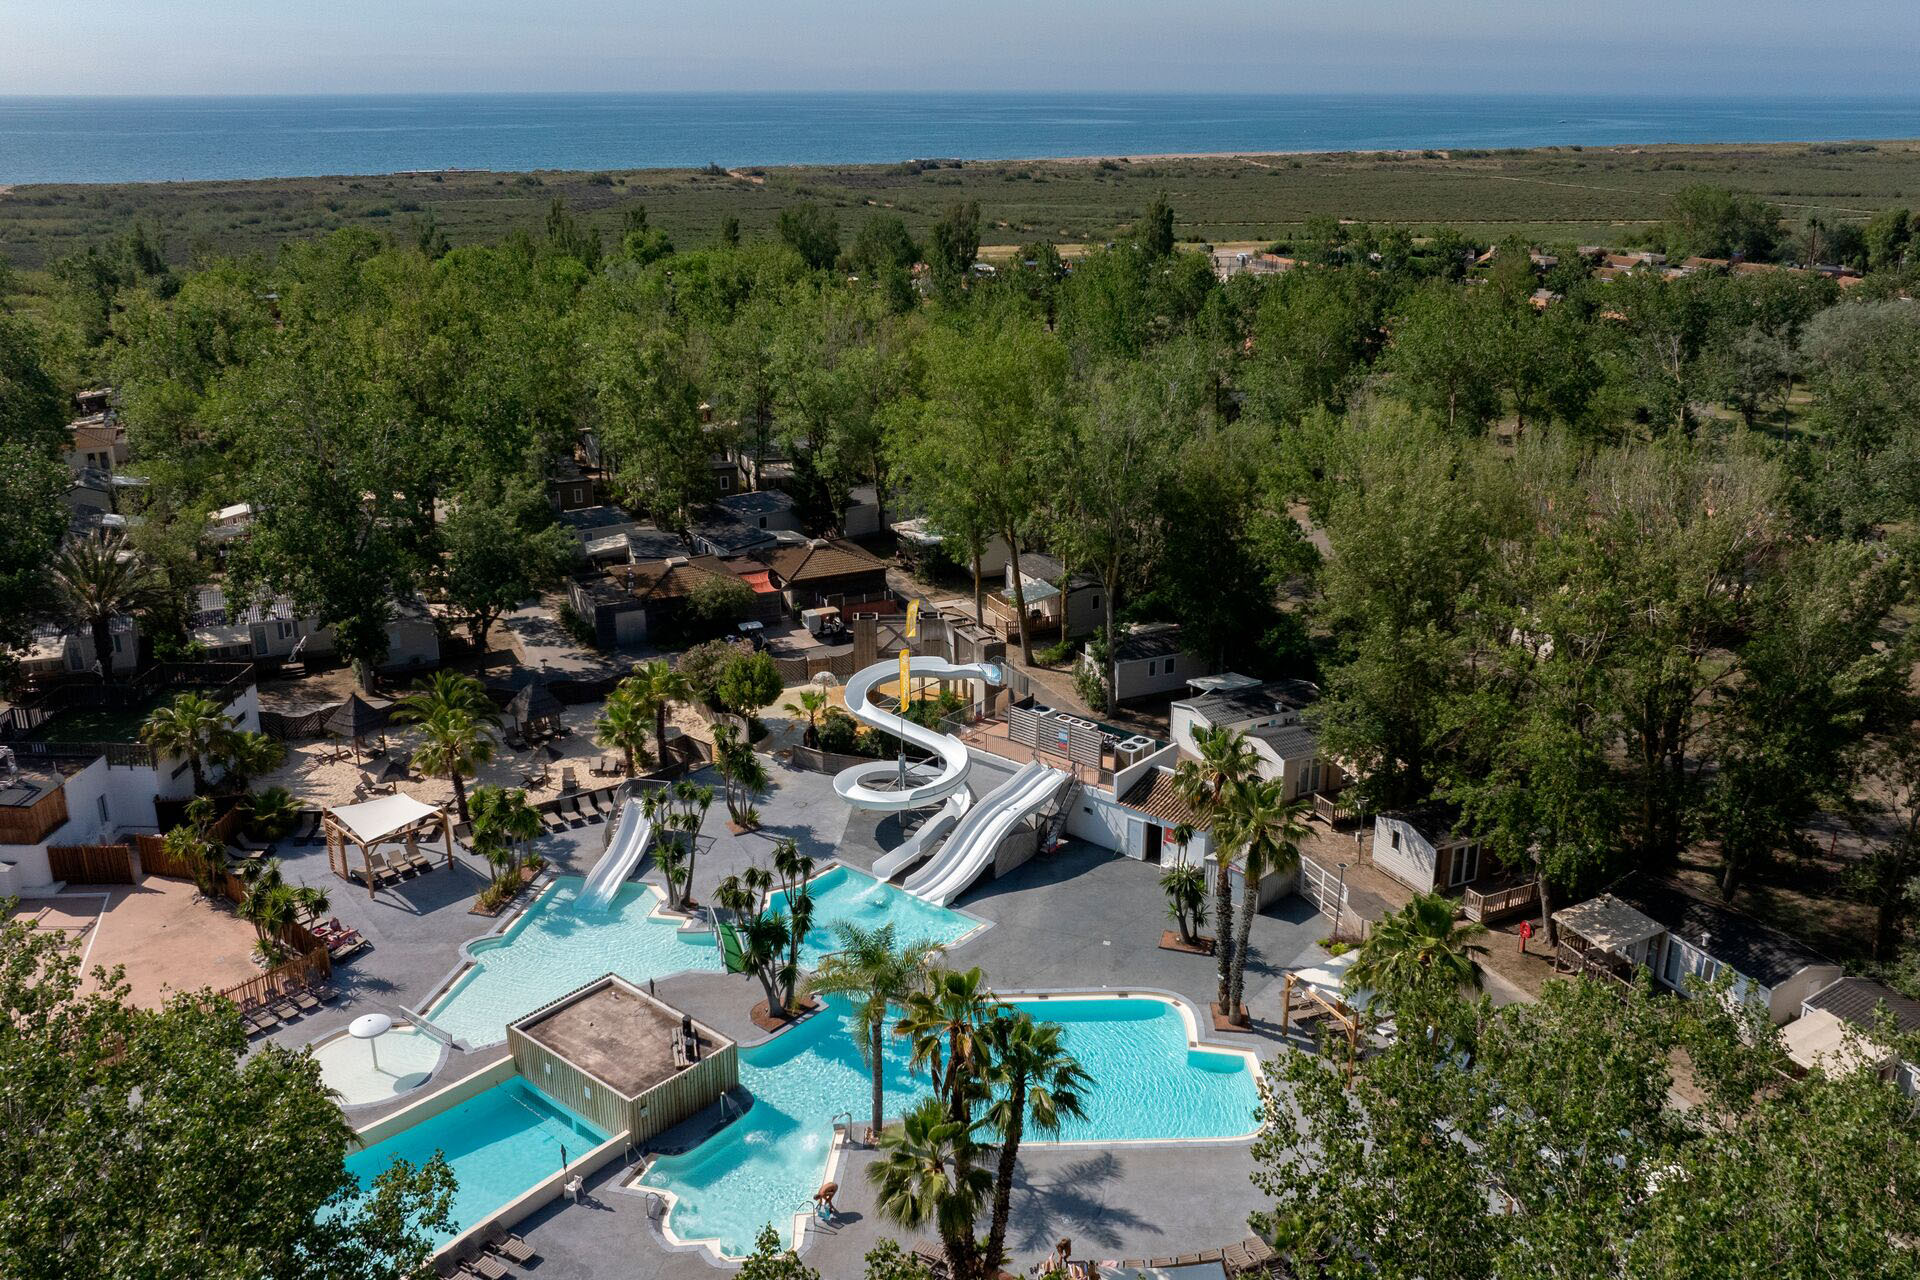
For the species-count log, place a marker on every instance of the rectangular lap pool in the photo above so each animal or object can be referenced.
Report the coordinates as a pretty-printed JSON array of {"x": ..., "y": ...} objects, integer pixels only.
[{"x": 501, "y": 1144}]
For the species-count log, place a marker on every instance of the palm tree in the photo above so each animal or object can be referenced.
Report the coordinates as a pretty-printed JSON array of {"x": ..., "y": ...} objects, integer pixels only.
[
  {"x": 206, "y": 860},
  {"x": 623, "y": 725},
  {"x": 1420, "y": 947},
  {"x": 504, "y": 825},
  {"x": 270, "y": 906},
  {"x": 248, "y": 755},
  {"x": 655, "y": 688},
  {"x": 97, "y": 580},
  {"x": 1186, "y": 888},
  {"x": 1267, "y": 829},
  {"x": 810, "y": 703},
  {"x": 870, "y": 965},
  {"x": 312, "y": 901},
  {"x": 1226, "y": 758},
  {"x": 795, "y": 870},
  {"x": 456, "y": 745},
  {"x": 1037, "y": 1084},
  {"x": 764, "y": 947},
  {"x": 741, "y": 772},
  {"x": 194, "y": 726},
  {"x": 272, "y": 813},
  {"x": 944, "y": 1024},
  {"x": 925, "y": 1174},
  {"x": 446, "y": 691}
]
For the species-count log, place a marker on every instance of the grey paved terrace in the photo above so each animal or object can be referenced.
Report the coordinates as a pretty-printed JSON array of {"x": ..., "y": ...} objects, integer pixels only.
[{"x": 1081, "y": 919}]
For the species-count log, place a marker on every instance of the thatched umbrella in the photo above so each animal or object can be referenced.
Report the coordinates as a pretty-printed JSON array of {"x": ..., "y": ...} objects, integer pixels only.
[
  {"x": 534, "y": 704},
  {"x": 356, "y": 719}
]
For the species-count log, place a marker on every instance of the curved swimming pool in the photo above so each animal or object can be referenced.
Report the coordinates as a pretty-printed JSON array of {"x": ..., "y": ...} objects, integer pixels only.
[
  {"x": 1149, "y": 1085},
  {"x": 550, "y": 949}
]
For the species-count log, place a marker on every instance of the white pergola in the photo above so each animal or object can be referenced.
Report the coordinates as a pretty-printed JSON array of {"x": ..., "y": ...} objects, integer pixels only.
[{"x": 376, "y": 822}]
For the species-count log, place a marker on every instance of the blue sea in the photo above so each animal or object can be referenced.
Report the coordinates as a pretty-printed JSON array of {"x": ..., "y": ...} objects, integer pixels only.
[{"x": 179, "y": 139}]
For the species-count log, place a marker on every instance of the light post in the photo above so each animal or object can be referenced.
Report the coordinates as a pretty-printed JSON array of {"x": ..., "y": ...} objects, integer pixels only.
[{"x": 1340, "y": 903}]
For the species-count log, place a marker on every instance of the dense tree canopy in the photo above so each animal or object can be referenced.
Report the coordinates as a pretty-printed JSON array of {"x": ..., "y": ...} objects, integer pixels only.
[
  {"x": 1595, "y": 556},
  {"x": 150, "y": 1143}
]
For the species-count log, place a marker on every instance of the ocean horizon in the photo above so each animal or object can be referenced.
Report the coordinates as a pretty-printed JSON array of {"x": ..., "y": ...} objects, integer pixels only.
[{"x": 175, "y": 139}]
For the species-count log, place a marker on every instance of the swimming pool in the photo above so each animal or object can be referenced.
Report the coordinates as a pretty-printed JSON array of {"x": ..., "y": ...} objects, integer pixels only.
[
  {"x": 549, "y": 950},
  {"x": 501, "y": 1143},
  {"x": 1148, "y": 1085}
]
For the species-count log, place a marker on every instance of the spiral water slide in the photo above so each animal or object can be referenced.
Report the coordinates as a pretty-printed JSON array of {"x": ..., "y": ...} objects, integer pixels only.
[{"x": 975, "y": 828}]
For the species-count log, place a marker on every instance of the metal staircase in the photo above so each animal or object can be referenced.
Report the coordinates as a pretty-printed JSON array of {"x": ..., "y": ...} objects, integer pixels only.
[{"x": 1056, "y": 821}]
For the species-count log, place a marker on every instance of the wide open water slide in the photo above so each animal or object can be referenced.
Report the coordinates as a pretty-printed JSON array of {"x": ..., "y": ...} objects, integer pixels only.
[
  {"x": 625, "y": 848},
  {"x": 970, "y": 849},
  {"x": 863, "y": 785}
]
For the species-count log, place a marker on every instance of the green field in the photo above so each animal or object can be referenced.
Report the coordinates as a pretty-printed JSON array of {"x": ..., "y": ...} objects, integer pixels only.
[{"x": 1561, "y": 193}]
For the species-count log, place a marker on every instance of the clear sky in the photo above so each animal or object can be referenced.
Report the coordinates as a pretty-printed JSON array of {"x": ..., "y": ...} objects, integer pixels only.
[{"x": 1766, "y": 47}]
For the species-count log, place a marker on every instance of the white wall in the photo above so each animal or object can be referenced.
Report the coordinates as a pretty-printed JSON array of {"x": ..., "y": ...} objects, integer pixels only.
[
  {"x": 1412, "y": 863},
  {"x": 1169, "y": 675}
]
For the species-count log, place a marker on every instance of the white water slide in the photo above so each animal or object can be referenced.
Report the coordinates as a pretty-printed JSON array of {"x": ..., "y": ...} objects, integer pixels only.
[
  {"x": 969, "y": 851},
  {"x": 628, "y": 844},
  {"x": 876, "y": 785}
]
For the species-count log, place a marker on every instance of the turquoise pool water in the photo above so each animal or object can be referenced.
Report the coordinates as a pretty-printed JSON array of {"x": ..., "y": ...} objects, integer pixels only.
[
  {"x": 500, "y": 1143},
  {"x": 549, "y": 950},
  {"x": 1148, "y": 1085}
]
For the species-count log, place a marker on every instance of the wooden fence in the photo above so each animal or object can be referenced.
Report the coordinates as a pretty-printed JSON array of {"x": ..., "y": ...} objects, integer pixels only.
[
  {"x": 313, "y": 967},
  {"x": 1485, "y": 905},
  {"x": 91, "y": 863},
  {"x": 156, "y": 860}
]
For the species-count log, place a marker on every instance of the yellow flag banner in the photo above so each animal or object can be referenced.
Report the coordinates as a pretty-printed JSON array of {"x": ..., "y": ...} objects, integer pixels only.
[
  {"x": 913, "y": 619},
  {"x": 906, "y": 656}
]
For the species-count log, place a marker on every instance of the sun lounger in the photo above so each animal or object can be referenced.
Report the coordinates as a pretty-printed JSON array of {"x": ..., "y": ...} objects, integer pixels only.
[
  {"x": 508, "y": 1245},
  {"x": 284, "y": 1009},
  {"x": 490, "y": 1267},
  {"x": 551, "y": 820},
  {"x": 304, "y": 1000},
  {"x": 420, "y": 863},
  {"x": 569, "y": 782},
  {"x": 326, "y": 992}
]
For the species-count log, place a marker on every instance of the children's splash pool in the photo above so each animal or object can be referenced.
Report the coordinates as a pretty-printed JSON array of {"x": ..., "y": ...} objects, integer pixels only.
[
  {"x": 550, "y": 949},
  {"x": 1149, "y": 1085}
]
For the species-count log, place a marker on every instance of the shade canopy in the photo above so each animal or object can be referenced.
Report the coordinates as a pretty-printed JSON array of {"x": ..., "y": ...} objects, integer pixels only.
[
  {"x": 357, "y": 718},
  {"x": 374, "y": 820},
  {"x": 1819, "y": 1040},
  {"x": 1609, "y": 924},
  {"x": 534, "y": 702},
  {"x": 369, "y": 1025},
  {"x": 394, "y": 770}
]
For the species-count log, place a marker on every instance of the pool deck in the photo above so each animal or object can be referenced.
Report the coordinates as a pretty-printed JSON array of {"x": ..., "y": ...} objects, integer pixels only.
[{"x": 1081, "y": 919}]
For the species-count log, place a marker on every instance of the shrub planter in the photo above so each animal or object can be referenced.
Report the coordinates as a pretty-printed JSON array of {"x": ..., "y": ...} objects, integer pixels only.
[
  {"x": 1200, "y": 946},
  {"x": 527, "y": 876},
  {"x": 1223, "y": 1023},
  {"x": 804, "y": 1007}
]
